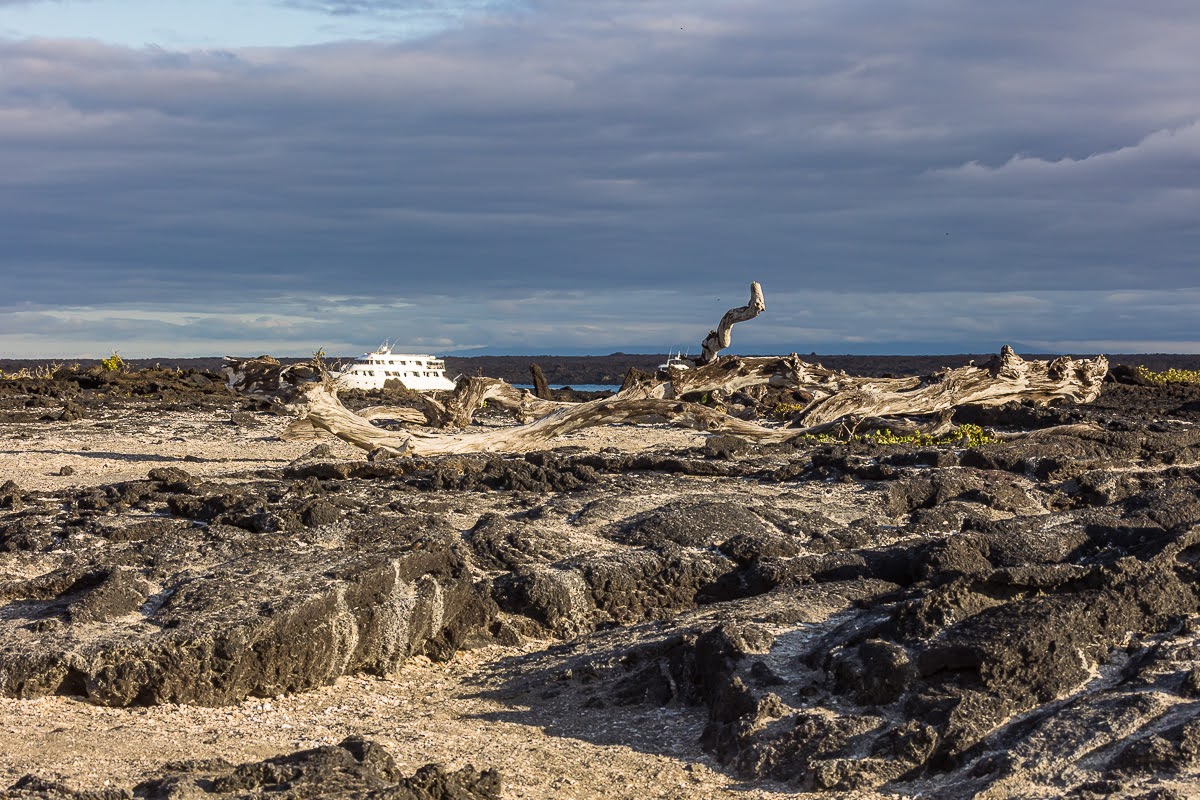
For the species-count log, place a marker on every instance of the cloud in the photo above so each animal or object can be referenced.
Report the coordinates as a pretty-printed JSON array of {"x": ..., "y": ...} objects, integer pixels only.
[
  {"x": 911, "y": 151},
  {"x": 1155, "y": 157},
  {"x": 340, "y": 8},
  {"x": 602, "y": 321}
]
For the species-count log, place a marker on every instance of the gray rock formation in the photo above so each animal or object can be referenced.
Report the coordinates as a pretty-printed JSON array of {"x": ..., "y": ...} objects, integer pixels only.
[{"x": 1018, "y": 618}]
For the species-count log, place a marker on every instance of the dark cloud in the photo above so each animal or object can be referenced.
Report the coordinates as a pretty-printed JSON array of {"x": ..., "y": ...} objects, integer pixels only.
[{"x": 917, "y": 150}]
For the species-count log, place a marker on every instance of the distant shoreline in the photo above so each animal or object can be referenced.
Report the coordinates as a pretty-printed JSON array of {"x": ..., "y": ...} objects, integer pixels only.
[{"x": 611, "y": 369}]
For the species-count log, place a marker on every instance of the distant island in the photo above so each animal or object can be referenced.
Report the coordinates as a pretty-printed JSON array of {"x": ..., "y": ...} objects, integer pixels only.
[{"x": 611, "y": 369}]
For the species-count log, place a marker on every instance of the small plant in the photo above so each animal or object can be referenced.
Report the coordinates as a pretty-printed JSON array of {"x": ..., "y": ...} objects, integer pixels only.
[
  {"x": 819, "y": 438},
  {"x": 41, "y": 371},
  {"x": 968, "y": 436},
  {"x": 785, "y": 411},
  {"x": 1171, "y": 375},
  {"x": 964, "y": 435},
  {"x": 113, "y": 363},
  {"x": 975, "y": 436}
]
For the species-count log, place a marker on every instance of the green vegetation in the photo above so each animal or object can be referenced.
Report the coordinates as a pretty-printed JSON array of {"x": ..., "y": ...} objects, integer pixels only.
[
  {"x": 785, "y": 411},
  {"x": 963, "y": 435},
  {"x": 113, "y": 363},
  {"x": 1170, "y": 376},
  {"x": 968, "y": 436}
]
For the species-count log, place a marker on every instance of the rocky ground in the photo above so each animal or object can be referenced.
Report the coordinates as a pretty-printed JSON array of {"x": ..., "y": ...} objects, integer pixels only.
[{"x": 192, "y": 607}]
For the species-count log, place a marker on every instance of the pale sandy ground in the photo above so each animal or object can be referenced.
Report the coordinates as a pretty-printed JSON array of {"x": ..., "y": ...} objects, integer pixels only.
[
  {"x": 207, "y": 445},
  {"x": 424, "y": 713},
  {"x": 204, "y": 444}
]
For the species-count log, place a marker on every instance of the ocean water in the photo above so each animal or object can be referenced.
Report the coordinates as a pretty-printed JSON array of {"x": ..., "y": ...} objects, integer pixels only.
[{"x": 579, "y": 387}]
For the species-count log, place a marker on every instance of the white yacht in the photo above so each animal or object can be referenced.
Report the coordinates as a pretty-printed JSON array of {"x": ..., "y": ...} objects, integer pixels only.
[
  {"x": 419, "y": 372},
  {"x": 677, "y": 361}
]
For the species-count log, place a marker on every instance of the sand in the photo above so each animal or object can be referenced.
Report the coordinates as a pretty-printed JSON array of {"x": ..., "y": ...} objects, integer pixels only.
[{"x": 423, "y": 713}]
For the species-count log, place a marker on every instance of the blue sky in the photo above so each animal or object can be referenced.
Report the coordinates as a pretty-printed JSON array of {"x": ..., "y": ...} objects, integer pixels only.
[
  {"x": 223, "y": 24},
  {"x": 244, "y": 176}
]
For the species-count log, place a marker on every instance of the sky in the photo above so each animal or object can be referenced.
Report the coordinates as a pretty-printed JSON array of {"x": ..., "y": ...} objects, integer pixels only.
[{"x": 527, "y": 176}]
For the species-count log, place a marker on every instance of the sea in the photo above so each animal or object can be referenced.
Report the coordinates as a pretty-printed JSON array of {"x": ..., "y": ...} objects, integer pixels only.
[{"x": 579, "y": 387}]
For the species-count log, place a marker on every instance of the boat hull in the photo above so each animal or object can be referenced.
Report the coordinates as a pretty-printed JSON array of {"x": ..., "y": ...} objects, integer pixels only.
[{"x": 418, "y": 372}]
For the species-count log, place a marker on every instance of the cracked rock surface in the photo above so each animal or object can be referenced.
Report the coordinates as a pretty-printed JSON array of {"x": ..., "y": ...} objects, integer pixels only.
[{"x": 1013, "y": 620}]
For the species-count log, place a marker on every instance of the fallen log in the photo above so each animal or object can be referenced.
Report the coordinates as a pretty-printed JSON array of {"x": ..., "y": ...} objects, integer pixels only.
[
  {"x": 1004, "y": 379},
  {"x": 840, "y": 404},
  {"x": 400, "y": 414},
  {"x": 324, "y": 410},
  {"x": 303, "y": 429},
  {"x": 472, "y": 393},
  {"x": 861, "y": 404}
]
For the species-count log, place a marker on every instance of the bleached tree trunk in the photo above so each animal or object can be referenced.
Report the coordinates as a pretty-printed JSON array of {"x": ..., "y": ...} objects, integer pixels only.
[
  {"x": 718, "y": 340},
  {"x": 840, "y": 403},
  {"x": 471, "y": 394},
  {"x": 1005, "y": 378}
]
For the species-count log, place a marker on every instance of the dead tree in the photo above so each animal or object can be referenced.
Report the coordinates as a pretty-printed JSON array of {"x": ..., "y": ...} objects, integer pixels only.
[
  {"x": 840, "y": 403},
  {"x": 718, "y": 340},
  {"x": 843, "y": 403},
  {"x": 303, "y": 390},
  {"x": 470, "y": 395},
  {"x": 1005, "y": 378}
]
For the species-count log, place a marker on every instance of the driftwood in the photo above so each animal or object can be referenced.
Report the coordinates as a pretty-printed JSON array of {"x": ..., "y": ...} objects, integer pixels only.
[
  {"x": 318, "y": 401},
  {"x": 718, "y": 340},
  {"x": 472, "y": 393},
  {"x": 1005, "y": 378},
  {"x": 840, "y": 404},
  {"x": 303, "y": 429}
]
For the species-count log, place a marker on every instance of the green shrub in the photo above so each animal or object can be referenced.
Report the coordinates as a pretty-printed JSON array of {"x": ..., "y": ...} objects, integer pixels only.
[
  {"x": 968, "y": 436},
  {"x": 113, "y": 363},
  {"x": 1172, "y": 375},
  {"x": 964, "y": 435},
  {"x": 785, "y": 411}
]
